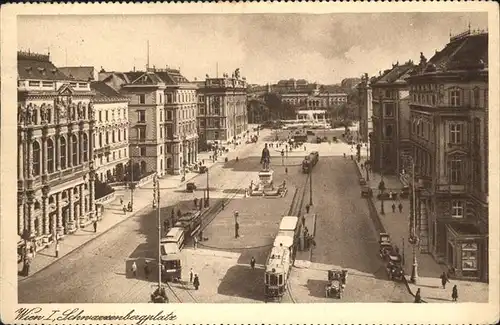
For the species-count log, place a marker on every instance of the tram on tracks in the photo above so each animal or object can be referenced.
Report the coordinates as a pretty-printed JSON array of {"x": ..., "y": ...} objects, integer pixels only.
[{"x": 280, "y": 260}]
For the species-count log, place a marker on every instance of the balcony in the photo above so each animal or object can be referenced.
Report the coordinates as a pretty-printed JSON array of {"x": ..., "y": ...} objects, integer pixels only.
[{"x": 450, "y": 189}]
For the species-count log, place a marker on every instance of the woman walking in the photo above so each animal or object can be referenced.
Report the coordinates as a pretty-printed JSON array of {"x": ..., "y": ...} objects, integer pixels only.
[{"x": 454, "y": 293}]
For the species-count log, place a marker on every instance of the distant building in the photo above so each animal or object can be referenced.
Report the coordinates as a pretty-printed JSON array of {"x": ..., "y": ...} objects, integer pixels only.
[
  {"x": 350, "y": 83},
  {"x": 223, "y": 117},
  {"x": 55, "y": 170},
  {"x": 111, "y": 145},
  {"x": 449, "y": 137},
  {"x": 390, "y": 138},
  {"x": 80, "y": 73},
  {"x": 365, "y": 112}
]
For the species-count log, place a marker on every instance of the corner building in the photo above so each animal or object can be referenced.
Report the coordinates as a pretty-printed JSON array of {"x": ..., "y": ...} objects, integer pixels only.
[
  {"x": 449, "y": 137},
  {"x": 223, "y": 117},
  {"x": 55, "y": 170}
]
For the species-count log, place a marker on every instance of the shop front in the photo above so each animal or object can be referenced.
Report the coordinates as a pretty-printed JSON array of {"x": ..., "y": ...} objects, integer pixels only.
[{"x": 465, "y": 251}]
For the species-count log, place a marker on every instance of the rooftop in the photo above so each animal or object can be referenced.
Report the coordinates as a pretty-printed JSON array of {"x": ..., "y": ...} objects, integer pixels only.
[
  {"x": 37, "y": 67},
  {"x": 79, "y": 73},
  {"x": 105, "y": 93}
]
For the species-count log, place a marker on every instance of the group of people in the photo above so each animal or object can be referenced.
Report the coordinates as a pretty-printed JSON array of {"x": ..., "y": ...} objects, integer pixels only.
[
  {"x": 126, "y": 208},
  {"x": 444, "y": 280}
]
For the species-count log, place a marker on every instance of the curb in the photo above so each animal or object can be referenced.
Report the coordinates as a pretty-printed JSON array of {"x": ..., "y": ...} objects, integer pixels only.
[
  {"x": 85, "y": 243},
  {"x": 314, "y": 235},
  {"x": 407, "y": 284}
]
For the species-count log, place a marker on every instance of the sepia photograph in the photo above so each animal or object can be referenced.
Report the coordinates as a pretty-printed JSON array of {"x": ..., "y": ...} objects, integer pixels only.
[{"x": 255, "y": 157}]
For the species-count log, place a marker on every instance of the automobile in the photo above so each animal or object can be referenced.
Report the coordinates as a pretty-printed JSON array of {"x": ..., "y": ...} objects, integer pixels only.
[
  {"x": 405, "y": 192},
  {"x": 202, "y": 169},
  {"x": 383, "y": 196},
  {"x": 318, "y": 140},
  {"x": 190, "y": 187},
  {"x": 310, "y": 133},
  {"x": 362, "y": 181},
  {"x": 366, "y": 192}
]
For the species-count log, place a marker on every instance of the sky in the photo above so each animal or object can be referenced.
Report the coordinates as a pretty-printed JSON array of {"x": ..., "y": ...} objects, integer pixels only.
[{"x": 323, "y": 48}]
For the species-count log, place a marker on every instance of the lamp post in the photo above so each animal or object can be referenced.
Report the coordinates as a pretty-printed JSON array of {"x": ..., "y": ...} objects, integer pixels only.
[
  {"x": 207, "y": 200},
  {"x": 131, "y": 185},
  {"x": 156, "y": 189},
  {"x": 413, "y": 239},
  {"x": 310, "y": 183},
  {"x": 381, "y": 187}
]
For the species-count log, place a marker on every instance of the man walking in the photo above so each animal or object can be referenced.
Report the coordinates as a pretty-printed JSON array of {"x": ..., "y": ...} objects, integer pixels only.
[
  {"x": 195, "y": 242},
  {"x": 393, "y": 207},
  {"x": 252, "y": 263},
  {"x": 191, "y": 274},
  {"x": 196, "y": 282},
  {"x": 57, "y": 248},
  {"x": 400, "y": 206},
  {"x": 95, "y": 225},
  {"x": 146, "y": 269},
  {"x": 454, "y": 293},
  {"x": 121, "y": 201},
  {"x": 444, "y": 279}
]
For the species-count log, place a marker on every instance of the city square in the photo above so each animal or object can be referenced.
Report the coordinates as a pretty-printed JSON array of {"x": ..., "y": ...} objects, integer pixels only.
[{"x": 141, "y": 182}]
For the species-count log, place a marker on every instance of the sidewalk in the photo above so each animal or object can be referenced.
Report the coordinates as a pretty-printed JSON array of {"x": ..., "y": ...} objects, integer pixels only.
[
  {"x": 113, "y": 215},
  {"x": 396, "y": 224}
]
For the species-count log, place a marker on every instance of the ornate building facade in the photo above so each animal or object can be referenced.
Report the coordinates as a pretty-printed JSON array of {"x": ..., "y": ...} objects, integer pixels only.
[
  {"x": 449, "y": 137},
  {"x": 390, "y": 137},
  {"x": 365, "y": 107},
  {"x": 111, "y": 145},
  {"x": 224, "y": 117},
  {"x": 55, "y": 168}
]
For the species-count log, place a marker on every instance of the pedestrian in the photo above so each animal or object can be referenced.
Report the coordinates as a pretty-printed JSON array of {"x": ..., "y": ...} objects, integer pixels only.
[
  {"x": 165, "y": 225},
  {"x": 146, "y": 269},
  {"x": 400, "y": 206},
  {"x": 418, "y": 298},
  {"x": 236, "y": 230},
  {"x": 191, "y": 274},
  {"x": 454, "y": 293},
  {"x": 444, "y": 279},
  {"x": 57, "y": 249},
  {"x": 196, "y": 282},
  {"x": 303, "y": 220},
  {"x": 252, "y": 263},
  {"x": 362, "y": 166},
  {"x": 195, "y": 201},
  {"x": 121, "y": 201},
  {"x": 393, "y": 207},
  {"x": 223, "y": 205},
  {"x": 27, "y": 264},
  {"x": 305, "y": 148},
  {"x": 390, "y": 195},
  {"x": 307, "y": 208},
  {"x": 195, "y": 242},
  {"x": 124, "y": 210},
  {"x": 130, "y": 206},
  {"x": 134, "y": 269},
  {"x": 33, "y": 251},
  {"x": 179, "y": 213},
  {"x": 95, "y": 225}
]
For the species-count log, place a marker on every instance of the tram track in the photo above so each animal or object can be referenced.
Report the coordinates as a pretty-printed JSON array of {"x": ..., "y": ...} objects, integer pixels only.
[{"x": 187, "y": 295}]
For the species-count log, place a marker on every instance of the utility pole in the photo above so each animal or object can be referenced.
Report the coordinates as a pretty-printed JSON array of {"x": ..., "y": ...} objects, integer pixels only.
[
  {"x": 132, "y": 185},
  {"x": 158, "y": 211},
  {"x": 207, "y": 201},
  {"x": 310, "y": 183}
]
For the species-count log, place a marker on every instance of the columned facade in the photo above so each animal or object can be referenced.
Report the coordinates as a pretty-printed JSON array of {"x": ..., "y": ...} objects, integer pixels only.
[{"x": 55, "y": 128}]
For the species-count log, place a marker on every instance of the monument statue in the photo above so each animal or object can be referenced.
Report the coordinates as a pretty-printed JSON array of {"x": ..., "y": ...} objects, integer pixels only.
[{"x": 265, "y": 158}]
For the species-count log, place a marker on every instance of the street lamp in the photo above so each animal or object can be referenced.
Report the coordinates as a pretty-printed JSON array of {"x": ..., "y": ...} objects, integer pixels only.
[
  {"x": 381, "y": 187},
  {"x": 310, "y": 183},
  {"x": 207, "y": 200},
  {"x": 156, "y": 191},
  {"x": 132, "y": 184},
  {"x": 413, "y": 239}
]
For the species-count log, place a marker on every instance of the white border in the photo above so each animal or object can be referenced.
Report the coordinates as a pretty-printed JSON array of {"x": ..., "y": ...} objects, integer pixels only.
[{"x": 243, "y": 313}]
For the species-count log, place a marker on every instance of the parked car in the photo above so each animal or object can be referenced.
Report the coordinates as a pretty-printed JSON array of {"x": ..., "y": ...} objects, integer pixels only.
[
  {"x": 384, "y": 196},
  {"x": 405, "y": 192},
  {"x": 202, "y": 169},
  {"x": 366, "y": 192},
  {"x": 190, "y": 187},
  {"x": 362, "y": 181}
]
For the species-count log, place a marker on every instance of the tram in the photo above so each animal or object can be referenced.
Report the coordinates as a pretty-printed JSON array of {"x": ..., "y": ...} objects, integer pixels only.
[
  {"x": 278, "y": 268},
  {"x": 171, "y": 267}
]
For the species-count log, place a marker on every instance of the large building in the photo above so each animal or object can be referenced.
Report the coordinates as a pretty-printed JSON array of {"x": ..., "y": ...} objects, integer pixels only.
[
  {"x": 223, "y": 116},
  {"x": 55, "y": 166},
  {"x": 390, "y": 118},
  {"x": 449, "y": 136},
  {"x": 111, "y": 145},
  {"x": 162, "y": 115}
]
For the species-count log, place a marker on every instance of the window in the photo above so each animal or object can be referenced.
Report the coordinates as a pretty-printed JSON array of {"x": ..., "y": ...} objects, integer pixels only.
[
  {"x": 107, "y": 116},
  {"x": 455, "y": 99},
  {"x": 113, "y": 136},
  {"x": 74, "y": 144},
  {"x": 100, "y": 140},
  {"x": 36, "y": 158},
  {"x": 160, "y": 99},
  {"x": 455, "y": 133},
  {"x": 486, "y": 98},
  {"x": 169, "y": 148},
  {"x": 161, "y": 150},
  {"x": 169, "y": 98},
  {"x": 469, "y": 257},
  {"x": 50, "y": 156},
  {"x": 169, "y": 115},
  {"x": 34, "y": 83},
  {"x": 141, "y": 116},
  {"x": 85, "y": 145},
  {"x": 141, "y": 133},
  {"x": 170, "y": 132},
  {"x": 62, "y": 152},
  {"x": 456, "y": 172},
  {"x": 47, "y": 84},
  {"x": 389, "y": 109},
  {"x": 475, "y": 95},
  {"x": 387, "y": 94},
  {"x": 100, "y": 116},
  {"x": 107, "y": 137},
  {"x": 142, "y": 99},
  {"x": 142, "y": 151},
  {"x": 388, "y": 131},
  {"x": 457, "y": 209}
]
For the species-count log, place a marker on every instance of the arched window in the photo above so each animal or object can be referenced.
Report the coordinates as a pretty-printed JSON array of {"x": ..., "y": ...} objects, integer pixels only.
[
  {"x": 50, "y": 156},
  {"x": 36, "y": 158},
  {"x": 388, "y": 131},
  {"x": 85, "y": 146},
  {"x": 74, "y": 154},
  {"x": 100, "y": 140},
  {"x": 62, "y": 152},
  {"x": 455, "y": 97}
]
